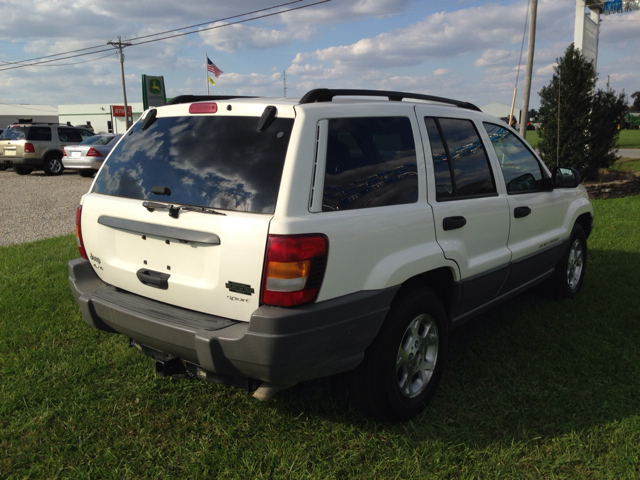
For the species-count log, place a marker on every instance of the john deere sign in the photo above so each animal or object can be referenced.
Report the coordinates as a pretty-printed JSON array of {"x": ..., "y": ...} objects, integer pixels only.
[{"x": 153, "y": 92}]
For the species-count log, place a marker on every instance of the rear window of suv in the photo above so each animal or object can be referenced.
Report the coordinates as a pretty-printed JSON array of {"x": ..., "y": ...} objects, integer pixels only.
[
  {"x": 14, "y": 133},
  {"x": 207, "y": 161},
  {"x": 29, "y": 133}
]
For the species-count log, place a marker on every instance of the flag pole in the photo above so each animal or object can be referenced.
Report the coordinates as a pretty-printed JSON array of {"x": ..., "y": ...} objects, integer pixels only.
[{"x": 206, "y": 71}]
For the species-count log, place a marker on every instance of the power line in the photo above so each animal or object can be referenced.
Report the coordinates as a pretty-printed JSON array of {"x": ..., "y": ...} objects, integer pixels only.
[
  {"x": 21, "y": 62},
  {"x": 220, "y": 20},
  {"x": 233, "y": 23},
  {"x": 78, "y": 63},
  {"x": 56, "y": 60},
  {"x": 26, "y": 108}
]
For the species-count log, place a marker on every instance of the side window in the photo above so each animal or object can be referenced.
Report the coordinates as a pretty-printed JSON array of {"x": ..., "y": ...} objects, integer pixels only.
[
  {"x": 444, "y": 186},
  {"x": 460, "y": 161},
  {"x": 39, "y": 134},
  {"x": 371, "y": 162},
  {"x": 69, "y": 135},
  {"x": 520, "y": 168},
  {"x": 86, "y": 134}
]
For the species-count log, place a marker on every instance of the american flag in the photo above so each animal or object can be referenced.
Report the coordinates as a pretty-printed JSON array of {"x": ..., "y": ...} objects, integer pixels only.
[{"x": 211, "y": 67}]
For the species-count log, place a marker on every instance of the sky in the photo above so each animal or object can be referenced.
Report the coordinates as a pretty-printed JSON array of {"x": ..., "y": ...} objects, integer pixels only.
[{"x": 463, "y": 49}]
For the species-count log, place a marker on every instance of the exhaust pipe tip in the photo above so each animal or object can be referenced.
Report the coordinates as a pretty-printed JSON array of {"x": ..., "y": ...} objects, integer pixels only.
[{"x": 266, "y": 391}]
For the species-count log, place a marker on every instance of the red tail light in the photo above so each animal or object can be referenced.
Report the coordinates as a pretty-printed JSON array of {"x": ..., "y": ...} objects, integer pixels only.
[
  {"x": 28, "y": 148},
  {"x": 83, "y": 252},
  {"x": 64, "y": 152},
  {"x": 93, "y": 153},
  {"x": 294, "y": 269}
]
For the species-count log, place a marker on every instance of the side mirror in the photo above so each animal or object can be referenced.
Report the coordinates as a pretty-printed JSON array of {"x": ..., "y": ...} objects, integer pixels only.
[{"x": 565, "y": 177}]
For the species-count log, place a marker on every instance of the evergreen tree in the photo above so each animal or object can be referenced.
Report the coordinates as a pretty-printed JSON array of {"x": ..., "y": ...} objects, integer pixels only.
[
  {"x": 606, "y": 117},
  {"x": 636, "y": 101},
  {"x": 578, "y": 124}
]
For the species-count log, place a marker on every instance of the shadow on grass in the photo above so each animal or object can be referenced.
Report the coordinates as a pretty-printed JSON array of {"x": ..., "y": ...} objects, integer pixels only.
[{"x": 530, "y": 368}]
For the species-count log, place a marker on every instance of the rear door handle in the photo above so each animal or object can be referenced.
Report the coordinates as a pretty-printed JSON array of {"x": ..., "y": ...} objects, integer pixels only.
[
  {"x": 520, "y": 212},
  {"x": 153, "y": 279},
  {"x": 452, "y": 223}
]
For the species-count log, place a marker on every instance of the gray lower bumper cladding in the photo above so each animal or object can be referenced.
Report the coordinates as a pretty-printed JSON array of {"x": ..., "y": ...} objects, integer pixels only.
[{"x": 281, "y": 346}]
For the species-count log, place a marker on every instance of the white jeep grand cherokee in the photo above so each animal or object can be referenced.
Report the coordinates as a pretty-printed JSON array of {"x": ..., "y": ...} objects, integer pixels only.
[{"x": 262, "y": 242}]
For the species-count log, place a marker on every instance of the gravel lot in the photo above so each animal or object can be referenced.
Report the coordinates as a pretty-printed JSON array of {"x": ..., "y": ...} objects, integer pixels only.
[{"x": 33, "y": 207}]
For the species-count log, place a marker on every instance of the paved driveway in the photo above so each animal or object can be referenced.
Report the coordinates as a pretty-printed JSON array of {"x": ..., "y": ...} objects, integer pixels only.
[{"x": 629, "y": 152}]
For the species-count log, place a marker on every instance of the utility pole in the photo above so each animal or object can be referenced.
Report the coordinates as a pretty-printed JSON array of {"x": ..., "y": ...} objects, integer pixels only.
[
  {"x": 284, "y": 81},
  {"x": 119, "y": 45},
  {"x": 524, "y": 113}
]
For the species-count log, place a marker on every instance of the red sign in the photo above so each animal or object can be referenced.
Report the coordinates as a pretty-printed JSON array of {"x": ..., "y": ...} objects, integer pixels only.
[{"x": 118, "y": 110}]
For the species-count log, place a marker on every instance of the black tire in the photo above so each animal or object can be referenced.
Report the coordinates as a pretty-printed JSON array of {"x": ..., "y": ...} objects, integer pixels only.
[
  {"x": 53, "y": 165},
  {"x": 86, "y": 173},
  {"x": 22, "y": 170},
  {"x": 403, "y": 365},
  {"x": 569, "y": 274}
]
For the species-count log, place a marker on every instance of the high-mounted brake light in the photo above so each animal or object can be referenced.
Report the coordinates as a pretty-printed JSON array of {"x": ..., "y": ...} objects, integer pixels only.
[
  {"x": 81, "y": 250},
  {"x": 93, "y": 153},
  {"x": 294, "y": 269},
  {"x": 28, "y": 148},
  {"x": 204, "y": 107}
]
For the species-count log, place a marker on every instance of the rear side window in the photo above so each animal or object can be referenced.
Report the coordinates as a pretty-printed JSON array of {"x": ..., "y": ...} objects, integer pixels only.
[
  {"x": 42, "y": 134},
  {"x": 86, "y": 134},
  {"x": 69, "y": 135},
  {"x": 14, "y": 133},
  {"x": 208, "y": 161},
  {"x": 371, "y": 162},
  {"x": 460, "y": 160}
]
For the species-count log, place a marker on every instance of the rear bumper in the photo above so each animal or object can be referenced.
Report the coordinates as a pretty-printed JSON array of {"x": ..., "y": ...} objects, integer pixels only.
[
  {"x": 21, "y": 161},
  {"x": 278, "y": 345},
  {"x": 81, "y": 163}
]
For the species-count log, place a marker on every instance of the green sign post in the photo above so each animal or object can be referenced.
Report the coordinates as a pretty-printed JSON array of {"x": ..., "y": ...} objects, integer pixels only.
[{"x": 153, "y": 92}]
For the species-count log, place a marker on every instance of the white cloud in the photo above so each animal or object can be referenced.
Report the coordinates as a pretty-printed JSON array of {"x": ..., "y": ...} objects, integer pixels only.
[
  {"x": 304, "y": 70},
  {"x": 234, "y": 38},
  {"x": 547, "y": 70},
  {"x": 438, "y": 36},
  {"x": 492, "y": 57},
  {"x": 441, "y": 71}
]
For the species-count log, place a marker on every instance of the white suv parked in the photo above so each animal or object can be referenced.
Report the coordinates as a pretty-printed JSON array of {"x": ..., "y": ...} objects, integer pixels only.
[{"x": 263, "y": 242}]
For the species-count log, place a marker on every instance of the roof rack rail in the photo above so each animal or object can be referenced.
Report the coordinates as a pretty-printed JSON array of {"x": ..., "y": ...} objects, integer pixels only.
[
  {"x": 201, "y": 98},
  {"x": 327, "y": 94}
]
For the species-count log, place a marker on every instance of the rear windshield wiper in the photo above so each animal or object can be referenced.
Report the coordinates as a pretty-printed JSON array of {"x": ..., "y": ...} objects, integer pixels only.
[
  {"x": 202, "y": 210},
  {"x": 174, "y": 211}
]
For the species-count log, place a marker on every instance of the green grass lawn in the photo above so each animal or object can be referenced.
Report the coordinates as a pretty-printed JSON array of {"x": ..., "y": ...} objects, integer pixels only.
[
  {"x": 536, "y": 388},
  {"x": 627, "y": 139},
  {"x": 627, "y": 165}
]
